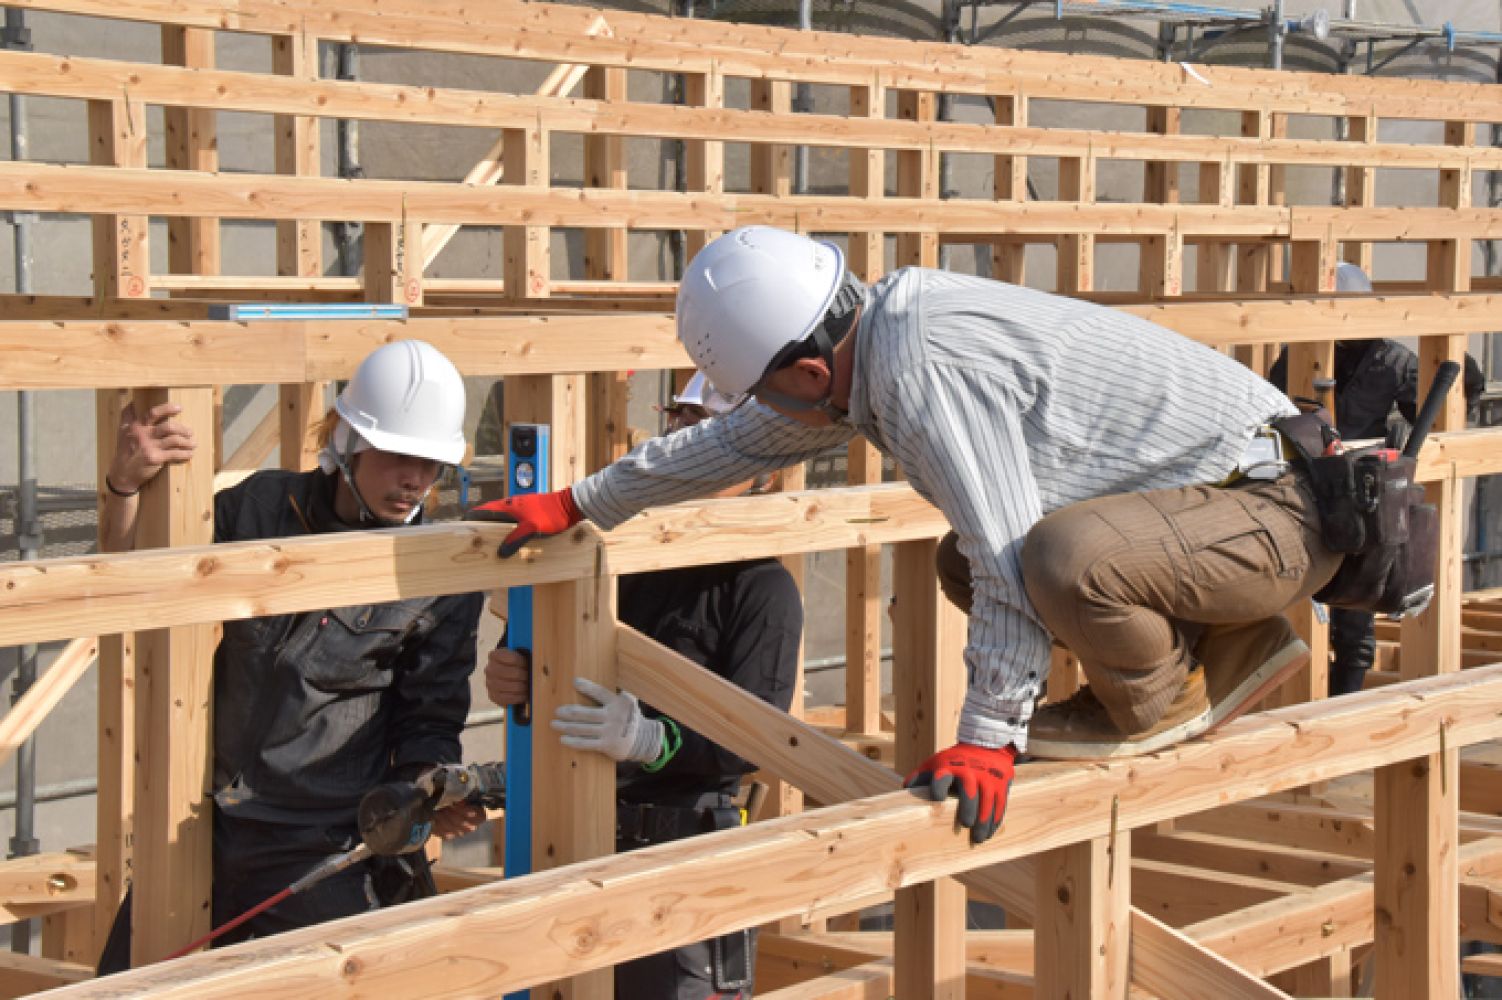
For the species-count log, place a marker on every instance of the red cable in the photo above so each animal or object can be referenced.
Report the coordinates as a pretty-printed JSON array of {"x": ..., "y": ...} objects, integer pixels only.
[{"x": 261, "y": 907}]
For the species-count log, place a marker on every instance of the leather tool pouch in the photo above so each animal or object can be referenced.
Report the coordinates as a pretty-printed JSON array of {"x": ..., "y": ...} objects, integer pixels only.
[
  {"x": 1371, "y": 509},
  {"x": 1393, "y": 574}
]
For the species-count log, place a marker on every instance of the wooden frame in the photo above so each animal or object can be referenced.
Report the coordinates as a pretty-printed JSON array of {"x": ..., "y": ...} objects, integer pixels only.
[{"x": 563, "y": 338}]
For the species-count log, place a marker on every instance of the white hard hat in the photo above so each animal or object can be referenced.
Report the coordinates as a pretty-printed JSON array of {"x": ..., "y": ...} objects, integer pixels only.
[
  {"x": 407, "y": 398},
  {"x": 1350, "y": 278},
  {"x": 748, "y": 295},
  {"x": 701, "y": 392}
]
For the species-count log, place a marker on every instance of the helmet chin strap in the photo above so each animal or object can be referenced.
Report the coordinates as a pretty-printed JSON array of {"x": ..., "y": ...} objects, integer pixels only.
[
  {"x": 368, "y": 516},
  {"x": 825, "y": 344}
]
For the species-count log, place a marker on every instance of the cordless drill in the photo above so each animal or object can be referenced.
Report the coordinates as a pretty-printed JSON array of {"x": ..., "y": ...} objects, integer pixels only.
[{"x": 397, "y": 817}]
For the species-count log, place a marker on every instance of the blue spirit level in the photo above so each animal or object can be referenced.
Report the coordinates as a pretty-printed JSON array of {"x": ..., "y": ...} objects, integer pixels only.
[{"x": 526, "y": 472}]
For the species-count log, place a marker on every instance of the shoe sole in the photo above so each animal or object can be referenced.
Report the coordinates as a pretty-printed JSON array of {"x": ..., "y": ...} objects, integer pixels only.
[{"x": 1273, "y": 671}]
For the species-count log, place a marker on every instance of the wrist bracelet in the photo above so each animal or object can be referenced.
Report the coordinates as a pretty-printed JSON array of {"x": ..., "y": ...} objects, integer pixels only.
[
  {"x": 672, "y": 742},
  {"x": 119, "y": 492}
]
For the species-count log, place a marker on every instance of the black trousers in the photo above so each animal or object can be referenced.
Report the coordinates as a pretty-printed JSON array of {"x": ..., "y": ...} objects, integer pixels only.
[
  {"x": 1353, "y": 640},
  {"x": 254, "y": 860},
  {"x": 721, "y": 968}
]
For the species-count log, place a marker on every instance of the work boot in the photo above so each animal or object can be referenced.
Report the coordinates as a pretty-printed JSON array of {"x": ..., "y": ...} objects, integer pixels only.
[
  {"x": 1080, "y": 728},
  {"x": 1244, "y": 662},
  {"x": 1241, "y": 664}
]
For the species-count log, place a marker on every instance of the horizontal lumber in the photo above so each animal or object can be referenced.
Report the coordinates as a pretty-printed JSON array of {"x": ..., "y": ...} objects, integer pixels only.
[
  {"x": 83, "y": 78},
  {"x": 602, "y": 912},
  {"x": 129, "y": 353},
  {"x": 1303, "y": 319},
  {"x": 57, "y": 598},
  {"x": 45, "y": 354},
  {"x": 24, "y": 975},
  {"x": 552, "y": 33},
  {"x": 37, "y": 187},
  {"x": 58, "y": 877}
]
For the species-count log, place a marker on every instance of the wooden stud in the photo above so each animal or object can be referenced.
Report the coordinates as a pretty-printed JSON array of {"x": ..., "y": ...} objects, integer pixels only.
[
  {"x": 173, "y": 698},
  {"x": 1361, "y": 185},
  {"x": 528, "y": 251},
  {"x": 772, "y": 163},
  {"x": 863, "y": 609},
  {"x": 705, "y": 158},
  {"x": 867, "y": 257},
  {"x": 1083, "y": 919},
  {"x": 191, "y": 144},
  {"x": 299, "y": 242},
  {"x": 301, "y": 407},
  {"x": 122, "y": 259},
  {"x": 928, "y": 637},
  {"x": 115, "y": 804},
  {"x": 1008, "y": 259},
  {"x": 393, "y": 262},
  {"x": 1076, "y": 264},
  {"x": 918, "y": 177},
  {"x": 1417, "y": 915}
]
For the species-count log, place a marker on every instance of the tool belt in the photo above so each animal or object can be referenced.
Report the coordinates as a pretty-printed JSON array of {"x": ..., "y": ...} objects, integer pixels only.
[
  {"x": 642, "y": 823},
  {"x": 1372, "y": 510}
]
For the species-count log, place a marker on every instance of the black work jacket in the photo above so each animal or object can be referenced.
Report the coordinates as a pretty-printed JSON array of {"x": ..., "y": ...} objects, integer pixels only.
[
  {"x": 744, "y": 622},
  {"x": 314, "y": 709},
  {"x": 1372, "y": 376}
]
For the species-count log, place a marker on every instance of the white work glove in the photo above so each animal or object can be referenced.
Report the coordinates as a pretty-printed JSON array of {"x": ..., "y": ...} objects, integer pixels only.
[{"x": 615, "y": 727}]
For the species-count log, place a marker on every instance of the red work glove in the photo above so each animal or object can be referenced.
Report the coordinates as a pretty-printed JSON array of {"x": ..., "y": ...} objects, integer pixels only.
[
  {"x": 980, "y": 778},
  {"x": 533, "y": 514}
]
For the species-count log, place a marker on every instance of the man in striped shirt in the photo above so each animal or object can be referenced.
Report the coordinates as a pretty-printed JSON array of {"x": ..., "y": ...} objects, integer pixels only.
[{"x": 1069, "y": 445}]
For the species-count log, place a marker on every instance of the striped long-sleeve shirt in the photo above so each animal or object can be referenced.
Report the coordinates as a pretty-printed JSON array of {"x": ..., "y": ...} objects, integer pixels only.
[{"x": 1001, "y": 404}]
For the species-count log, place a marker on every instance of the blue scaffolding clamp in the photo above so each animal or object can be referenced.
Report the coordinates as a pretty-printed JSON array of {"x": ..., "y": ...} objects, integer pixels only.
[{"x": 240, "y": 312}]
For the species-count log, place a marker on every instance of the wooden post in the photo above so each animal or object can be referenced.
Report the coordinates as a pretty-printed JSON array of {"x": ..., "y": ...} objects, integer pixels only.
[
  {"x": 1417, "y": 811},
  {"x": 1076, "y": 264},
  {"x": 1010, "y": 172},
  {"x": 863, "y": 609},
  {"x": 929, "y": 682},
  {"x": 192, "y": 144},
  {"x": 573, "y": 808},
  {"x": 863, "y": 612},
  {"x": 393, "y": 262},
  {"x": 918, "y": 177},
  {"x": 115, "y": 805},
  {"x": 705, "y": 158},
  {"x": 605, "y": 260},
  {"x": 867, "y": 258},
  {"x": 528, "y": 253},
  {"x": 174, "y": 673},
  {"x": 299, "y": 247},
  {"x": 1361, "y": 186},
  {"x": 1082, "y": 923},
  {"x": 1254, "y": 260},
  {"x": 771, "y": 163},
  {"x": 1314, "y": 264},
  {"x": 122, "y": 260}
]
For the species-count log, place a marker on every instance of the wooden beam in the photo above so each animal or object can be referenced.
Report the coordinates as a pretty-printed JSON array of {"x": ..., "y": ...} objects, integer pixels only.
[
  {"x": 172, "y": 824},
  {"x": 24, "y": 975},
  {"x": 246, "y": 579},
  {"x": 929, "y": 651},
  {"x": 1209, "y": 976},
  {"x": 71, "y": 663},
  {"x": 191, "y": 144},
  {"x": 121, "y": 255},
  {"x": 550, "y": 922},
  {"x": 863, "y": 608},
  {"x": 1083, "y": 919},
  {"x": 55, "y": 877}
]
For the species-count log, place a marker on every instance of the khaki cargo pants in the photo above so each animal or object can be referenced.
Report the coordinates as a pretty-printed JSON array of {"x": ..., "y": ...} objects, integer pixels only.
[{"x": 1126, "y": 581}]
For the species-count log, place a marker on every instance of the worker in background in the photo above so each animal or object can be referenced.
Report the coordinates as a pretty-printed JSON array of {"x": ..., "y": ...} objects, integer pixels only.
[
  {"x": 312, "y": 710},
  {"x": 1371, "y": 377},
  {"x": 1071, "y": 447},
  {"x": 744, "y": 622}
]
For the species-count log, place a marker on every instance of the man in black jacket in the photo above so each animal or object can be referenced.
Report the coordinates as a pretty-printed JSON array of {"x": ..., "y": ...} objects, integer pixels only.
[
  {"x": 312, "y": 710},
  {"x": 1371, "y": 377},
  {"x": 743, "y": 621}
]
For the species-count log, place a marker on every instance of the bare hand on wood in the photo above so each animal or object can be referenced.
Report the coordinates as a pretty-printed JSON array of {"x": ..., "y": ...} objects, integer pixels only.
[{"x": 145, "y": 445}]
